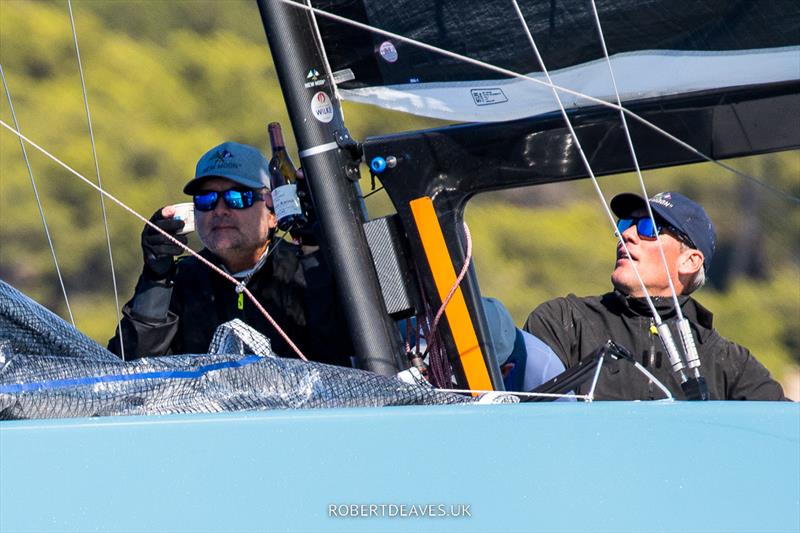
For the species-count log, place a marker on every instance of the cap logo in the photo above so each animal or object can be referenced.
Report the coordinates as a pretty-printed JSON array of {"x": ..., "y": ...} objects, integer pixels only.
[
  {"x": 222, "y": 155},
  {"x": 663, "y": 199},
  {"x": 221, "y": 159}
]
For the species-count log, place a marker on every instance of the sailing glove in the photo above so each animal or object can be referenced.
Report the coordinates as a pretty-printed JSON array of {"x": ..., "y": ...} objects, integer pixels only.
[{"x": 159, "y": 252}]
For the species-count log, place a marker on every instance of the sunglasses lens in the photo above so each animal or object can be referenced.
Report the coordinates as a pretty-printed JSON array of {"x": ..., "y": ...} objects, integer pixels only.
[
  {"x": 646, "y": 228},
  {"x": 234, "y": 199},
  {"x": 206, "y": 201},
  {"x": 239, "y": 199},
  {"x": 623, "y": 224}
]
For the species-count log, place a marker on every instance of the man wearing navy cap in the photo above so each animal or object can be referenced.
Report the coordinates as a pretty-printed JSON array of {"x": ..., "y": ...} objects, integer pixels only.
[
  {"x": 177, "y": 305},
  {"x": 575, "y": 327}
]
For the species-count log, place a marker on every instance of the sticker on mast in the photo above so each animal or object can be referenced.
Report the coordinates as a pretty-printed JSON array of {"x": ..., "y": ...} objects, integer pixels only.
[
  {"x": 388, "y": 51},
  {"x": 322, "y": 107}
]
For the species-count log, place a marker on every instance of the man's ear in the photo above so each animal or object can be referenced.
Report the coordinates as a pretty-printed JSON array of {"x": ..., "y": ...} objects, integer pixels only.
[
  {"x": 690, "y": 262},
  {"x": 272, "y": 220}
]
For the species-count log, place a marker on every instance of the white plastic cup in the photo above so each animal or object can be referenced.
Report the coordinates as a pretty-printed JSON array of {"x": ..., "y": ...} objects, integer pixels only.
[{"x": 185, "y": 212}]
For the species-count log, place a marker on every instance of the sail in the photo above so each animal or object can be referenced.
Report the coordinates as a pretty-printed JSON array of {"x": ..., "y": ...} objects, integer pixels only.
[{"x": 656, "y": 48}]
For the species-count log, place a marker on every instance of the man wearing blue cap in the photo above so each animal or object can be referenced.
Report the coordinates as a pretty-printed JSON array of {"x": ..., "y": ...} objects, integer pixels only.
[
  {"x": 177, "y": 305},
  {"x": 525, "y": 361},
  {"x": 575, "y": 327}
]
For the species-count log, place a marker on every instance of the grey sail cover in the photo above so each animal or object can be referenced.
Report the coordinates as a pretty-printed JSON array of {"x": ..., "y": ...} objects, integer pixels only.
[{"x": 48, "y": 369}]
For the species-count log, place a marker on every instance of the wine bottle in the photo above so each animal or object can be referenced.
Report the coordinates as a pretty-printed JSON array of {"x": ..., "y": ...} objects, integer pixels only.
[{"x": 283, "y": 179}]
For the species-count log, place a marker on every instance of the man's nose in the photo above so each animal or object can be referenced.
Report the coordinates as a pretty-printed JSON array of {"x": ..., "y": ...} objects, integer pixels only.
[
  {"x": 631, "y": 234},
  {"x": 221, "y": 208}
]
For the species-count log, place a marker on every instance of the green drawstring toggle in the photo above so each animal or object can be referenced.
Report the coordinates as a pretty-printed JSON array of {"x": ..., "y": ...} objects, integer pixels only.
[{"x": 240, "y": 292}]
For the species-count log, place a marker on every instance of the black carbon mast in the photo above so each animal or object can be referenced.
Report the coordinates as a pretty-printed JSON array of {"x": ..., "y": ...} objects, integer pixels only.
[{"x": 330, "y": 163}]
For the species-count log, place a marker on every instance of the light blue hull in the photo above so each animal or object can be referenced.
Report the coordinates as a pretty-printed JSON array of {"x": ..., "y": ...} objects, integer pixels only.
[{"x": 539, "y": 467}]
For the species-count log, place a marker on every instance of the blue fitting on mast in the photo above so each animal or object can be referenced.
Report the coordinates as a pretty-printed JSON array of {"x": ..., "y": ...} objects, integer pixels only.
[{"x": 378, "y": 165}]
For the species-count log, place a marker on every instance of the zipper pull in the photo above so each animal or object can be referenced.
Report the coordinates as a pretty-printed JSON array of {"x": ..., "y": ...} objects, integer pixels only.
[{"x": 240, "y": 300}]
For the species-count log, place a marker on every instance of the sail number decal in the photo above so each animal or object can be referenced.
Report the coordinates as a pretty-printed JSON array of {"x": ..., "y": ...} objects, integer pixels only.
[
  {"x": 488, "y": 96},
  {"x": 322, "y": 107}
]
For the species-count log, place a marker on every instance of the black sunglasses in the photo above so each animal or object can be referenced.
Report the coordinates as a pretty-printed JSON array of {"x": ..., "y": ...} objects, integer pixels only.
[{"x": 235, "y": 198}]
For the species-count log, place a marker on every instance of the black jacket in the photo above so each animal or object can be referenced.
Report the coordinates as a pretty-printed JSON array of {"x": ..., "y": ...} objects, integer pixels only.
[
  {"x": 575, "y": 327},
  {"x": 180, "y": 316}
]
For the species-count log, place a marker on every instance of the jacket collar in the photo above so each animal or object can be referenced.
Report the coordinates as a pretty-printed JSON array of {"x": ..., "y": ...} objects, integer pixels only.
[
  {"x": 630, "y": 306},
  {"x": 264, "y": 264}
]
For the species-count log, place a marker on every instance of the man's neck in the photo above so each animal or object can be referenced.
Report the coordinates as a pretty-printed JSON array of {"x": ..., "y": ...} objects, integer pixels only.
[{"x": 239, "y": 262}]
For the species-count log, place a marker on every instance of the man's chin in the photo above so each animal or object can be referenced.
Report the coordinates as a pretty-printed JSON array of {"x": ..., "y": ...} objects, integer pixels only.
[
  {"x": 222, "y": 246},
  {"x": 620, "y": 282}
]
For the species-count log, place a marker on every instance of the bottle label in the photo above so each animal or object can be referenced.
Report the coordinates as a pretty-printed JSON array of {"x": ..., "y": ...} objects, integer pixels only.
[{"x": 286, "y": 202}]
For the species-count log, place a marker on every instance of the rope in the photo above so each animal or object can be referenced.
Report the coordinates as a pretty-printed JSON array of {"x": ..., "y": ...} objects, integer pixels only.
[
  {"x": 38, "y": 200},
  {"x": 439, "y": 363},
  {"x": 460, "y": 277},
  {"x": 99, "y": 181},
  {"x": 185, "y": 248}
]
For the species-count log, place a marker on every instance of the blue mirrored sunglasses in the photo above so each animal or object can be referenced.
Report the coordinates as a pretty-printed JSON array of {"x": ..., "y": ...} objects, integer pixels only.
[
  {"x": 644, "y": 227},
  {"x": 649, "y": 231},
  {"x": 236, "y": 198}
]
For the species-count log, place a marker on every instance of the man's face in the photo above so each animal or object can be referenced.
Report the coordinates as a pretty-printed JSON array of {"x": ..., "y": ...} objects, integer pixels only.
[
  {"x": 238, "y": 236},
  {"x": 647, "y": 258}
]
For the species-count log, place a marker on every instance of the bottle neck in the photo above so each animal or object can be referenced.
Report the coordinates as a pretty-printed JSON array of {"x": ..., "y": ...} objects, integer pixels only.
[{"x": 276, "y": 137}]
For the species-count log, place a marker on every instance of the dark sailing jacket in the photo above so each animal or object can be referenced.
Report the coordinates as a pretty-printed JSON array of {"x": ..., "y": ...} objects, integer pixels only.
[
  {"x": 575, "y": 327},
  {"x": 180, "y": 316}
]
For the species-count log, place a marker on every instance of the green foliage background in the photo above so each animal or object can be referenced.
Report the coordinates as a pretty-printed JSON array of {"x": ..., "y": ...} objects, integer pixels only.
[{"x": 168, "y": 80}]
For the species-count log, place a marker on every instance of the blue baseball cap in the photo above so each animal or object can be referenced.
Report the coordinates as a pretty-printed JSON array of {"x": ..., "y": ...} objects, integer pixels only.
[
  {"x": 237, "y": 162},
  {"x": 687, "y": 216},
  {"x": 502, "y": 331}
]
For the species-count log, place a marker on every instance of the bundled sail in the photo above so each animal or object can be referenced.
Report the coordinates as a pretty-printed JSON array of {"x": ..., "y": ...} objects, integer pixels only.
[
  {"x": 656, "y": 48},
  {"x": 48, "y": 369}
]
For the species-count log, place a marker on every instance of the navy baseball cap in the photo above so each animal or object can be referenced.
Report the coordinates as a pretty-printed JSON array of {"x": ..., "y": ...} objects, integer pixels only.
[
  {"x": 240, "y": 163},
  {"x": 675, "y": 209}
]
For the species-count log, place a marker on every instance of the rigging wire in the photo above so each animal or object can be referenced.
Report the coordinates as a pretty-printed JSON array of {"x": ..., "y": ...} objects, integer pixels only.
[
  {"x": 684, "y": 331},
  {"x": 514, "y": 393},
  {"x": 513, "y": 74},
  {"x": 373, "y": 191},
  {"x": 328, "y": 71},
  {"x": 584, "y": 159},
  {"x": 629, "y": 140},
  {"x": 589, "y": 397},
  {"x": 185, "y": 248},
  {"x": 97, "y": 172},
  {"x": 38, "y": 199}
]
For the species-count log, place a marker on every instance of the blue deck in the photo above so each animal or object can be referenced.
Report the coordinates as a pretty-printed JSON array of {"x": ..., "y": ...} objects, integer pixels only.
[{"x": 539, "y": 467}]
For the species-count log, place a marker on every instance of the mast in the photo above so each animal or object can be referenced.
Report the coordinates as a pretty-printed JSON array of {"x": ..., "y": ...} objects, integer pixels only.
[{"x": 330, "y": 164}]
